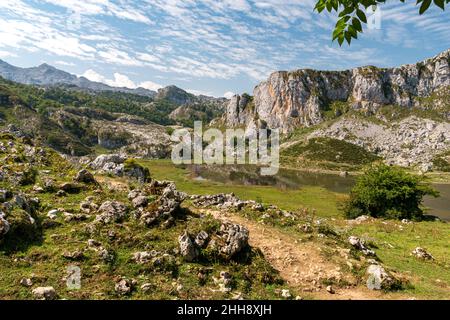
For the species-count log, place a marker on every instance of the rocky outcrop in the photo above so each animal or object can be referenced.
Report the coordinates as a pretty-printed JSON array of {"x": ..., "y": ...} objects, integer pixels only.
[
  {"x": 124, "y": 133},
  {"x": 111, "y": 211},
  {"x": 379, "y": 279},
  {"x": 119, "y": 165},
  {"x": 412, "y": 141},
  {"x": 288, "y": 100}
]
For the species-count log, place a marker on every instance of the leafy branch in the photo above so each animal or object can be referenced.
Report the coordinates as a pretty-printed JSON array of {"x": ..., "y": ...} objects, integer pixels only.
[{"x": 352, "y": 16}]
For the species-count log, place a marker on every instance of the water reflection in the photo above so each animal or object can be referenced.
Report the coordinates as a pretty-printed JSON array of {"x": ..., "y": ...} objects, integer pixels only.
[{"x": 293, "y": 179}]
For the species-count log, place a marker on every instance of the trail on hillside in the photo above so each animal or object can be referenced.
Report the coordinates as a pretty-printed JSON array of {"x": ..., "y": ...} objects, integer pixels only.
[{"x": 300, "y": 264}]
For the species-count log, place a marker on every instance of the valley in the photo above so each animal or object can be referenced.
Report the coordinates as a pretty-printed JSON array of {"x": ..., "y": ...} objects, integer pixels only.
[{"x": 86, "y": 181}]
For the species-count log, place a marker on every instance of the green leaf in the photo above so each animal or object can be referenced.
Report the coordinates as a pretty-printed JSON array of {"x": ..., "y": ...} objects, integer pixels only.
[
  {"x": 353, "y": 32},
  {"x": 424, "y": 7},
  {"x": 348, "y": 37},
  {"x": 336, "y": 33},
  {"x": 361, "y": 15},
  {"x": 440, "y": 4},
  {"x": 357, "y": 24}
]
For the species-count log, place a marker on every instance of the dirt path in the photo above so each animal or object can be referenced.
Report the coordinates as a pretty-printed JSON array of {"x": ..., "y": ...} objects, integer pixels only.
[{"x": 300, "y": 264}]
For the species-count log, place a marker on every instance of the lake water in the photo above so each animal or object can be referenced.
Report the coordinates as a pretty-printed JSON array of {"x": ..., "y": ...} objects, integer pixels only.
[{"x": 293, "y": 179}]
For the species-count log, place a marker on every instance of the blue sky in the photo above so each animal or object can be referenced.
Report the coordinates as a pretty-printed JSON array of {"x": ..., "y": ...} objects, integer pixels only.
[{"x": 206, "y": 46}]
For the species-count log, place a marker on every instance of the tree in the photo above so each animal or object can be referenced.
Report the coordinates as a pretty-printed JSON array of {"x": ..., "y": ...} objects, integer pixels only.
[
  {"x": 351, "y": 15},
  {"x": 390, "y": 192}
]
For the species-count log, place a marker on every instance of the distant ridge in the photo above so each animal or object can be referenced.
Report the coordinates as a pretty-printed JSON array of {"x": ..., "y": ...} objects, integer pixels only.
[{"x": 47, "y": 75}]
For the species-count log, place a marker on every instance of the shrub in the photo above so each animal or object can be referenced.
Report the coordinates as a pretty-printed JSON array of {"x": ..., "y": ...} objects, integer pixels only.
[{"x": 384, "y": 191}]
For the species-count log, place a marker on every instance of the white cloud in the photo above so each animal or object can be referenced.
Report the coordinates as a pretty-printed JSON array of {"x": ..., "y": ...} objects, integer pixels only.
[
  {"x": 93, "y": 76},
  {"x": 103, "y": 7},
  {"x": 6, "y": 54},
  {"x": 120, "y": 80},
  {"x": 65, "y": 63},
  {"x": 228, "y": 94},
  {"x": 200, "y": 92},
  {"x": 150, "y": 85}
]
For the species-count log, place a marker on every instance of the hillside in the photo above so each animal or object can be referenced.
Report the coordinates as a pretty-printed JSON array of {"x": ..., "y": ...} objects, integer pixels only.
[
  {"x": 78, "y": 123},
  {"x": 131, "y": 236}
]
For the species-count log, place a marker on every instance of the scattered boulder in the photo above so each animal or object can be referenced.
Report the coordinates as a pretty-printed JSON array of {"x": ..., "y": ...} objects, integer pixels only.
[
  {"x": 146, "y": 287},
  {"x": 74, "y": 256},
  {"x": 359, "y": 244},
  {"x": 26, "y": 282},
  {"x": 330, "y": 290},
  {"x": 69, "y": 187},
  {"x": 134, "y": 170},
  {"x": 285, "y": 293},
  {"x": 306, "y": 228},
  {"x": 111, "y": 211},
  {"x": 53, "y": 214},
  {"x": 234, "y": 239},
  {"x": 88, "y": 205},
  {"x": 84, "y": 176},
  {"x": 134, "y": 194},
  {"x": 44, "y": 293},
  {"x": 167, "y": 205},
  {"x": 144, "y": 256},
  {"x": 421, "y": 253},
  {"x": 61, "y": 193},
  {"x": 379, "y": 279},
  {"x": 109, "y": 164},
  {"x": 187, "y": 247},
  {"x": 124, "y": 286},
  {"x": 224, "y": 281},
  {"x": 4, "y": 225},
  {"x": 258, "y": 207},
  {"x": 201, "y": 239},
  {"x": 5, "y": 195},
  {"x": 140, "y": 202}
]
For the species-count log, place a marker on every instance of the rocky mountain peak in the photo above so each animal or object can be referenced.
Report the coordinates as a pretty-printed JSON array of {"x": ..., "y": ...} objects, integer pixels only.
[
  {"x": 175, "y": 95},
  {"x": 291, "y": 99}
]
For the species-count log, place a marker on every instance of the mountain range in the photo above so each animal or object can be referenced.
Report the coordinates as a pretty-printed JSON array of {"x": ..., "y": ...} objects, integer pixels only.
[{"x": 47, "y": 75}]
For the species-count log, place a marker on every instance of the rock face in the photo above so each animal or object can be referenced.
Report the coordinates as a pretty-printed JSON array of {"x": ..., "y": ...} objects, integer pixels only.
[
  {"x": 408, "y": 142},
  {"x": 288, "y": 100}
]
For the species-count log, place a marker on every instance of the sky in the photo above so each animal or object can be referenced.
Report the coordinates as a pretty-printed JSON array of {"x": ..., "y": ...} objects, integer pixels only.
[{"x": 212, "y": 47}]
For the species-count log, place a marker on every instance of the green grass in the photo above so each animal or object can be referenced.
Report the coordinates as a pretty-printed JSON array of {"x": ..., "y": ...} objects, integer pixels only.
[
  {"x": 327, "y": 153},
  {"x": 429, "y": 279}
]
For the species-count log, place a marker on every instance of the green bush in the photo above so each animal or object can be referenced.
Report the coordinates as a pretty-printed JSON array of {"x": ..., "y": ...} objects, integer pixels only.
[{"x": 390, "y": 192}]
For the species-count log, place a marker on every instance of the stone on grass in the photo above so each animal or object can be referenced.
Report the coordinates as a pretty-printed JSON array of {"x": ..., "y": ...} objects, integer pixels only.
[
  {"x": 187, "y": 247},
  {"x": 44, "y": 293}
]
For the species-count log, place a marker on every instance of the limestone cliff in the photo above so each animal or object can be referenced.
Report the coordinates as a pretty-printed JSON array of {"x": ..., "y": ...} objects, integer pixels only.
[{"x": 288, "y": 100}]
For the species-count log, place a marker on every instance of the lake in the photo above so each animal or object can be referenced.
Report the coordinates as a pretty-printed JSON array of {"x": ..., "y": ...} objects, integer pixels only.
[{"x": 294, "y": 179}]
